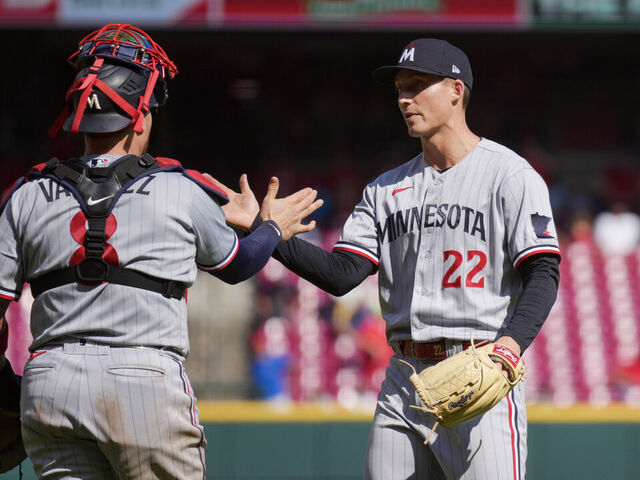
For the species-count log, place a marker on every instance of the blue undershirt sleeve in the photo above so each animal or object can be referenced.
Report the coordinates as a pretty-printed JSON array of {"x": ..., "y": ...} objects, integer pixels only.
[{"x": 254, "y": 251}]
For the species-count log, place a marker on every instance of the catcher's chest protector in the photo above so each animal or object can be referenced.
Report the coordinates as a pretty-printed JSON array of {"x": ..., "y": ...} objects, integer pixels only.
[{"x": 97, "y": 190}]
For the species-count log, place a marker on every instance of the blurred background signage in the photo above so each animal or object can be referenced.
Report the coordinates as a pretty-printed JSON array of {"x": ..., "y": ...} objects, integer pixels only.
[{"x": 221, "y": 13}]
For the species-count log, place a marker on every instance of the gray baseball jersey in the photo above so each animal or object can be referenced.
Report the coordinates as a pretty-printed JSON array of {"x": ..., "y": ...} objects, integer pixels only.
[
  {"x": 106, "y": 364},
  {"x": 164, "y": 225},
  {"x": 448, "y": 245}
]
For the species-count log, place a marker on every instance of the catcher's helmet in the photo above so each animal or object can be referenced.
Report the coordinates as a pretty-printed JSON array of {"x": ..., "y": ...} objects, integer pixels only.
[{"x": 122, "y": 74}]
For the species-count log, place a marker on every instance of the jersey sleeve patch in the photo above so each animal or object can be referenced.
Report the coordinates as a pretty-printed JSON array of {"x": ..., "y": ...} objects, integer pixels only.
[
  {"x": 227, "y": 260},
  {"x": 350, "y": 247},
  {"x": 540, "y": 225},
  {"x": 538, "y": 249}
]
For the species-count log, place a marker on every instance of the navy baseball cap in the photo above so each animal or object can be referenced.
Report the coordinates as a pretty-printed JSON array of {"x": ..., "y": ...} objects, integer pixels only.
[{"x": 429, "y": 55}]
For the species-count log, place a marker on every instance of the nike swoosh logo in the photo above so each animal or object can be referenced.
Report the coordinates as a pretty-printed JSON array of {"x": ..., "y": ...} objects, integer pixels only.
[
  {"x": 91, "y": 201},
  {"x": 398, "y": 190}
]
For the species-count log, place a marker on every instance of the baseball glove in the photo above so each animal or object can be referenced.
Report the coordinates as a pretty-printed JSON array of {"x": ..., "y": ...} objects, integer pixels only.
[
  {"x": 11, "y": 448},
  {"x": 467, "y": 384}
]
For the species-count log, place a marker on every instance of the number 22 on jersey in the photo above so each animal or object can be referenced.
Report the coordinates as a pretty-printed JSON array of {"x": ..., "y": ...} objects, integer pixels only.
[{"x": 476, "y": 260}]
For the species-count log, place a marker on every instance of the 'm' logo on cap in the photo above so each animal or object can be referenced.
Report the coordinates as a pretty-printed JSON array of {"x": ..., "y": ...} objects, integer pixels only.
[
  {"x": 92, "y": 102},
  {"x": 407, "y": 55}
]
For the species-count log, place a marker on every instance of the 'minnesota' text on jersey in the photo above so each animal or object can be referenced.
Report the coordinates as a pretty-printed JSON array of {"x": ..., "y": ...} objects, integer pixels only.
[{"x": 443, "y": 242}]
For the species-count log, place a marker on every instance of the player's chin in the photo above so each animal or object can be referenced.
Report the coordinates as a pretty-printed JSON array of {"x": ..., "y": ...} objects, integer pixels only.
[
  {"x": 416, "y": 132},
  {"x": 415, "y": 127}
]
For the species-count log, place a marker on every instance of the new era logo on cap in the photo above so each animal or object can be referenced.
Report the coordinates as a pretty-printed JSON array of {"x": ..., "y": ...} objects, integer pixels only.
[{"x": 429, "y": 55}]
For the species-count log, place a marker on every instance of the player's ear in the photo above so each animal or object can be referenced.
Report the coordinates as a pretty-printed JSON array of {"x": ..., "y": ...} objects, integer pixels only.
[{"x": 457, "y": 91}]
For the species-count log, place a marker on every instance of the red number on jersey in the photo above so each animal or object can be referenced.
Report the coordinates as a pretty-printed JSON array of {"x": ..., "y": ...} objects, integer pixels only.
[
  {"x": 458, "y": 258},
  {"x": 482, "y": 262},
  {"x": 471, "y": 279}
]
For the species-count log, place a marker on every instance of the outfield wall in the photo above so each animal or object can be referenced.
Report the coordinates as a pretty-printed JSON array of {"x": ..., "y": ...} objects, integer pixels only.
[{"x": 252, "y": 441}]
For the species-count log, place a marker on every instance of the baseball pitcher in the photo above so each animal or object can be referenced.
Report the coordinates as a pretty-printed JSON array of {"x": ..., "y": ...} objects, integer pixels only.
[
  {"x": 109, "y": 243},
  {"x": 463, "y": 240}
]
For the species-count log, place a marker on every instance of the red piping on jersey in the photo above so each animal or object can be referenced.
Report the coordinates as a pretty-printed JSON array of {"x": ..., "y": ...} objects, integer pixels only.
[
  {"x": 536, "y": 252},
  {"x": 513, "y": 440},
  {"x": 233, "y": 255},
  {"x": 351, "y": 250},
  {"x": 6, "y": 297},
  {"x": 230, "y": 260},
  {"x": 192, "y": 411}
]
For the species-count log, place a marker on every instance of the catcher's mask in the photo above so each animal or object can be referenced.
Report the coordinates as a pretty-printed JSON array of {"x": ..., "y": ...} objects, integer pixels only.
[{"x": 121, "y": 75}]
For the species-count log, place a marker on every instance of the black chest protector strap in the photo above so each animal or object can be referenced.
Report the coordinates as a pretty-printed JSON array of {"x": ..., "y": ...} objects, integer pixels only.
[{"x": 97, "y": 190}]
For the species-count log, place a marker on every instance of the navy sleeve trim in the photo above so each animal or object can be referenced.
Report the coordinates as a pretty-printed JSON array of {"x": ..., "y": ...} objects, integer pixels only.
[
  {"x": 252, "y": 254},
  {"x": 357, "y": 249},
  {"x": 9, "y": 294},
  {"x": 535, "y": 250}
]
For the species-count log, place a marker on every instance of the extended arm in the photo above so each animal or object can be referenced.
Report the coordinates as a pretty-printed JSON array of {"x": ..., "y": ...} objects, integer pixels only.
[
  {"x": 282, "y": 219},
  {"x": 335, "y": 272}
]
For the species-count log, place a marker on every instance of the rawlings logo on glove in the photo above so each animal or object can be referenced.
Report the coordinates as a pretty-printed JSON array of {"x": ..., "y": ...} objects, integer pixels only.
[
  {"x": 462, "y": 402},
  {"x": 467, "y": 384}
]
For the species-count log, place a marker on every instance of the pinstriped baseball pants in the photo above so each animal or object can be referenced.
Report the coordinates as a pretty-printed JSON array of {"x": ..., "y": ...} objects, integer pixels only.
[
  {"x": 99, "y": 412},
  {"x": 491, "y": 447}
]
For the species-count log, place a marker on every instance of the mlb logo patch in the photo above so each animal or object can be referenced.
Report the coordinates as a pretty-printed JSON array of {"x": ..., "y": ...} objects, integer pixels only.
[
  {"x": 541, "y": 226},
  {"x": 99, "y": 162}
]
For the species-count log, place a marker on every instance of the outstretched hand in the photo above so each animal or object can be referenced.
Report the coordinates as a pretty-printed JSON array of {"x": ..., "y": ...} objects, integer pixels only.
[
  {"x": 243, "y": 207},
  {"x": 288, "y": 212}
]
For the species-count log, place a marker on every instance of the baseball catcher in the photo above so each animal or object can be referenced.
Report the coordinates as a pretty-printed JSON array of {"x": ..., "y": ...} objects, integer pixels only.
[{"x": 109, "y": 242}]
